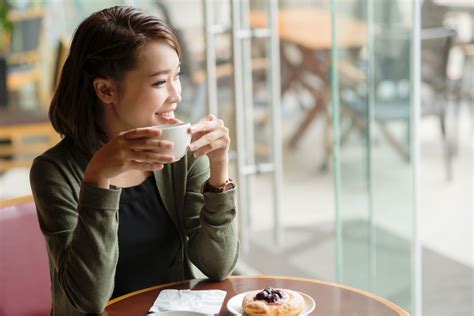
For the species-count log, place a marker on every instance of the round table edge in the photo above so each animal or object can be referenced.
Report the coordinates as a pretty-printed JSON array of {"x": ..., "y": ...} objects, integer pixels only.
[{"x": 380, "y": 299}]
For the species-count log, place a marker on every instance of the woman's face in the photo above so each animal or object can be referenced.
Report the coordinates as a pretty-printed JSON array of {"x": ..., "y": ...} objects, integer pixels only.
[{"x": 149, "y": 92}]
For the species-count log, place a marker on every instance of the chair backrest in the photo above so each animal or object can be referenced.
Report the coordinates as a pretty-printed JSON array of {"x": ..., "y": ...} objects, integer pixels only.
[
  {"x": 436, "y": 44},
  {"x": 20, "y": 143},
  {"x": 25, "y": 36},
  {"x": 25, "y": 286}
]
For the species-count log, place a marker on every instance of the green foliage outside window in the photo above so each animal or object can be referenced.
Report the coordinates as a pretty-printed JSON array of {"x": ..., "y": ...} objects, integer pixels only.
[{"x": 5, "y": 23}]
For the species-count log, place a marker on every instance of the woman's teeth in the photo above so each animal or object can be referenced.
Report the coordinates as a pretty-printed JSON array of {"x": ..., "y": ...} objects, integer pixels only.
[{"x": 167, "y": 114}]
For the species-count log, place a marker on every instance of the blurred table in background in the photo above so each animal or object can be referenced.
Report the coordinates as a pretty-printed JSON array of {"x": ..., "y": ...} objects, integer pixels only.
[
  {"x": 464, "y": 4},
  {"x": 309, "y": 30}
]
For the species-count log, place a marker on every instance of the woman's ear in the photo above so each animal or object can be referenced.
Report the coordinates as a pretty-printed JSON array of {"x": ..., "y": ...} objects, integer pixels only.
[{"x": 106, "y": 90}]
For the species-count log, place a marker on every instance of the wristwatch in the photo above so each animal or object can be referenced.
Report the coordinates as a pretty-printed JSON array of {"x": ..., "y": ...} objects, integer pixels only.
[{"x": 228, "y": 185}]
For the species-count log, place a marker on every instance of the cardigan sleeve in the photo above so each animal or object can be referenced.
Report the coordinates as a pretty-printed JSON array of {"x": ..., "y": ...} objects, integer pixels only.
[
  {"x": 212, "y": 244},
  {"x": 79, "y": 223}
]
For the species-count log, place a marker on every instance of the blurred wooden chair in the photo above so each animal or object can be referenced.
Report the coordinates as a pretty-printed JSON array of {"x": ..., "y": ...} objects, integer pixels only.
[
  {"x": 3, "y": 83},
  {"x": 392, "y": 92},
  {"x": 20, "y": 143},
  {"x": 24, "y": 272},
  {"x": 461, "y": 62},
  {"x": 23, "y": 52}
]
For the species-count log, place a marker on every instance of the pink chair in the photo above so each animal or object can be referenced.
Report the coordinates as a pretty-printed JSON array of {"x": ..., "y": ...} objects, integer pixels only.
[{"x": 25, "y": 286}]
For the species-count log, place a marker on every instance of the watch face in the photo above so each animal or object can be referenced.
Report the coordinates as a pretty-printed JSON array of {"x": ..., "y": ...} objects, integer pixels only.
[{"x": 228, "y": 186}]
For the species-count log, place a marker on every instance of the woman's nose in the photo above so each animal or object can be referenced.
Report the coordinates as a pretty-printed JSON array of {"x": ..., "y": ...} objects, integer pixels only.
[{"x": 175, "y": 92}]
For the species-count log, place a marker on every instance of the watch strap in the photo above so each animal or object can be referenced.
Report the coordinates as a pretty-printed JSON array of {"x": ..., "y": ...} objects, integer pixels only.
[{"x": 228, "y": 185}]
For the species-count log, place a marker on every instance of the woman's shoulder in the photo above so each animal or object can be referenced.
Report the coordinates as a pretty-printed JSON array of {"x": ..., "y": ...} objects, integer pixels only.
[
  {"x": 64, "y": 154},
  {"x": 66, "y": 147}
]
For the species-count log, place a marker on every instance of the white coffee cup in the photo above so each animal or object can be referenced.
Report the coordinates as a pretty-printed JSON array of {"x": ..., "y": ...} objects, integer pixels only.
[{"x": 178, "y": 135}]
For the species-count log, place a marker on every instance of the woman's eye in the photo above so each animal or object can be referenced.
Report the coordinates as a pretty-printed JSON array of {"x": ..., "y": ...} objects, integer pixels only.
[{"x": 159, "y": 83}]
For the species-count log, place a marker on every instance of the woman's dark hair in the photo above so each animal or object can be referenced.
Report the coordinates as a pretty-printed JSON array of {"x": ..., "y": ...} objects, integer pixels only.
[{"x": 105, "y": 45}]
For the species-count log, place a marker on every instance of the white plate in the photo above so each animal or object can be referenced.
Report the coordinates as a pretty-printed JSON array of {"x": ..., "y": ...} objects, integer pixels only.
[{"x": 234, "y": 305}]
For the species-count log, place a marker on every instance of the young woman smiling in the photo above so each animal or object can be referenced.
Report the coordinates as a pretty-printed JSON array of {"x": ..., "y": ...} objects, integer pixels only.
[{"x": 116, "y": 212}]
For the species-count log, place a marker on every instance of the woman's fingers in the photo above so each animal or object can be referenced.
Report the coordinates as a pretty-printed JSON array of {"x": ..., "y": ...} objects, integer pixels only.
[
  {"x": 207, "y": 124},
  {"x": 143, "y": 132},
  {"x": 220, "y": 143},
  {"x": 145, "y": 166},
  {"x": 149, "y": 157},
  {"x": 196, "y": 136},
  {"x": 208, "y": 138},
  {"x": 150, "y": 144}
]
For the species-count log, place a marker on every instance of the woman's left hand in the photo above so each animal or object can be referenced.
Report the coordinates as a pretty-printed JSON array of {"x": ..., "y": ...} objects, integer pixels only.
[{"x": 210, "y": 137}]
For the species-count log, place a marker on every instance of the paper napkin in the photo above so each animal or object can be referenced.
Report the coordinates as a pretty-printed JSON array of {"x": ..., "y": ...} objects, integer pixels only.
[{"x": 201, "y": 301}]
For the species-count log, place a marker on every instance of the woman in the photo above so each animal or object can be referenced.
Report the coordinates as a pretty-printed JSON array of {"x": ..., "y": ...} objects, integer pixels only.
[{"x": 116, "y": 214}]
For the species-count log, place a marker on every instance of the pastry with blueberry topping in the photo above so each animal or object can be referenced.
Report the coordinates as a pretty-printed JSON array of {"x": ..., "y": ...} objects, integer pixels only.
[{"x": 271, "y": 301}]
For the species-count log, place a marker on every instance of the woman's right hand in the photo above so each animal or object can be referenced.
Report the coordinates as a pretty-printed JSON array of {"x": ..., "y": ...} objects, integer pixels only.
[{"x": 136, "y": 149}]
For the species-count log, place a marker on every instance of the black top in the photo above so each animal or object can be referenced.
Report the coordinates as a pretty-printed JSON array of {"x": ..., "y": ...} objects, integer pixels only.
[{"x": 149, "y": 241}]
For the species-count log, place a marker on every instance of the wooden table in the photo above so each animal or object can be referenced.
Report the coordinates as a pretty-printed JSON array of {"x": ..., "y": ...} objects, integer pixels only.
[
  {"x": 462, "y": 4},
  {"x": 309, "y": 29},
  {"x": 331, "y": 299}
]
